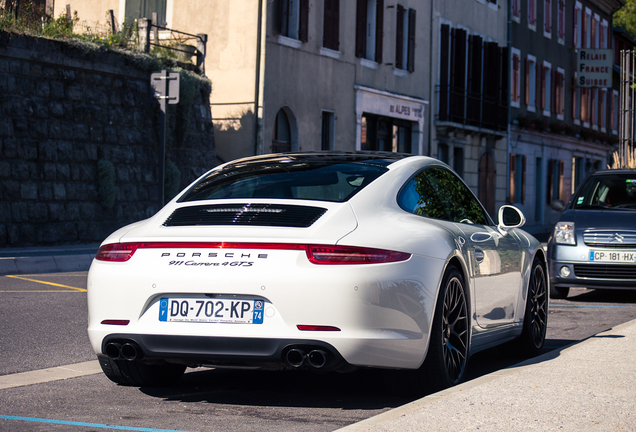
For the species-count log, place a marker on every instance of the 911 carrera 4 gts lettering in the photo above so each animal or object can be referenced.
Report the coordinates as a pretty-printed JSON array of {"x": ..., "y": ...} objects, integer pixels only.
[{"x": 212, "y": 264}]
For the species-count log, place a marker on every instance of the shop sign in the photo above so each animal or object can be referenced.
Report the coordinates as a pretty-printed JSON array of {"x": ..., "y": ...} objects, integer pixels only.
[{"x": 594, "y": 67}]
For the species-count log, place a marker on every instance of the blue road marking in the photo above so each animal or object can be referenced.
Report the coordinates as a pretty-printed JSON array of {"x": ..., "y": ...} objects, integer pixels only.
[
  {"x": 592, "y": 306},
  {"x": 94, "y": 425}
]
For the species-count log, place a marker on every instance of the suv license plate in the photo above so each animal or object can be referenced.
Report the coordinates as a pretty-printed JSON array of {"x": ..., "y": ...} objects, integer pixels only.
[{"x": 217, "y": 310}]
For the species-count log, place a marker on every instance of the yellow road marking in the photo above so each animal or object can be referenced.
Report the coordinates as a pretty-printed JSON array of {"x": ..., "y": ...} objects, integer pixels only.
[{"x": 45, "y": 283}]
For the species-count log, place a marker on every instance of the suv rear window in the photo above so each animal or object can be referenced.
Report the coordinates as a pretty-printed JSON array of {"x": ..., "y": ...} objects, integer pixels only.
[{"x": 336, "y": 182}]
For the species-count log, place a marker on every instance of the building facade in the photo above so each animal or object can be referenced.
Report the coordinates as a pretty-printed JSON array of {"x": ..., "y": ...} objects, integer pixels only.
[
  {"x": 561, "y": 130},
  {"x": 470, "y": 90}
]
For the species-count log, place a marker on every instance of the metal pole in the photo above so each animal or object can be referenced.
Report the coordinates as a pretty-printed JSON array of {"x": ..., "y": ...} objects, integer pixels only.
[{"x": 162, "y": 139}]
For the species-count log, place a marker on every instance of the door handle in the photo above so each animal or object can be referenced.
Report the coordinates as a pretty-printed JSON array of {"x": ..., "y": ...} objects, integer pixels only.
[{"x": 479, "y": 255}]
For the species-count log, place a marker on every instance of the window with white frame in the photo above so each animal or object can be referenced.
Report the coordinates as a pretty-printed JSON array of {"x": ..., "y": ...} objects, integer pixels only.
[
  {"x": 576, "y": 24},
  {"x": 594, "y": 32},
  {"x": 585, "y": 105},
  {"x": 546, "y": 87},
  {"x": 547, "y": 18},
  {"x": 603, "y": 37},
  {"x": 531, "y": 83},
  {"x": 532, "y": 15},
  {"x": 294, "y": 19},
  {"x": 331, "y": 25},
  {"x": 516, "y": 10},
  {"x": 561, "y": 23},
  {"x": 516, "y": 78},
  {"x": 585, "y": 30},
  {"x": 369, "y": 30},
  {"x": 135, "y": 9}
]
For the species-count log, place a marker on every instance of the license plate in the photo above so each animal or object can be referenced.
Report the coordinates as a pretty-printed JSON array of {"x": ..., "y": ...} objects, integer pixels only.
[
  {"x": 217, "y": 310},
  {"x": 613, "y": 256}
]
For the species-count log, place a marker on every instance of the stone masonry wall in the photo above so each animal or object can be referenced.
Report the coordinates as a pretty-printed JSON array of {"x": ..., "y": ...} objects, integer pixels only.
[{"x": 62, "y": 110}]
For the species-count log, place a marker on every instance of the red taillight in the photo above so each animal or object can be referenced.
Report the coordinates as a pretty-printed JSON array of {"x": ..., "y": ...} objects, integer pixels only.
[
  {"x": 116, "y": 322},
  {"x": 118, "y": 252},
  {"x": 318, "y": 254},
  {"x": 317, "y": 328}
]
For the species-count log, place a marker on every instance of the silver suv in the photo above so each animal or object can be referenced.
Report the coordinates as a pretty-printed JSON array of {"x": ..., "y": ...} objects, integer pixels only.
[{"x": 594, "y": 243}]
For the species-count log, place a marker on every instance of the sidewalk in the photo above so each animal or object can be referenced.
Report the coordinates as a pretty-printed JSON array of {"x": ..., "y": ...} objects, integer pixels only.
[
  {"x": 46, "y": 259},
  {"x": 588, "y": 386}
]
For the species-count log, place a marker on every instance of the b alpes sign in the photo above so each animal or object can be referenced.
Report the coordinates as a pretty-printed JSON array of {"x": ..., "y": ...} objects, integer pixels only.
[{"x": 594, "y": 67}]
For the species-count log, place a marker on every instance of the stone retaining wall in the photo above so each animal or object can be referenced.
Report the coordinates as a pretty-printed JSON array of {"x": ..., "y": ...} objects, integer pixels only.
[{"x": 61, "y": 110}]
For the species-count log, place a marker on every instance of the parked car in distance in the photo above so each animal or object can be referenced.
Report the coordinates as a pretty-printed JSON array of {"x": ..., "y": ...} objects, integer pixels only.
[
  {"x": 594, "y": 243},
  {"x": 320, "y": 261}
]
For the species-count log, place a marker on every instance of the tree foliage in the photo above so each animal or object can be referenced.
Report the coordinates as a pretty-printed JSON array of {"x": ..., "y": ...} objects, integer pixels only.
[{"x": 626, "y": 17}]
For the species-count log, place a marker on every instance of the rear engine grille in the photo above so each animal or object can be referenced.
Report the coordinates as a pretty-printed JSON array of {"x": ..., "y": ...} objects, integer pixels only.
[
  {"x": 274, "y": 215},
  {"x": 610, "y": 239},
  {"x": 605, "y": 271}
]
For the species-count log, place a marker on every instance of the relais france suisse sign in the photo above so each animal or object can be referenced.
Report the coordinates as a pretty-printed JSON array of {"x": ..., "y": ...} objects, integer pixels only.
[{"x": 594, "y": 67}]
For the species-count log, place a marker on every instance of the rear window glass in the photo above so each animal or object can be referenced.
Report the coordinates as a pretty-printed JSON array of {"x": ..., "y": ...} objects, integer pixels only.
[
  {"x": 336, "y": 182},
  {"x": 607, "y": 191}
]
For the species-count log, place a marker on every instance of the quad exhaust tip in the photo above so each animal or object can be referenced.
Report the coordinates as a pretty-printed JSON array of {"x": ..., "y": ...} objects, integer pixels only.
[
  {"x": 126, "y": 351},
  {"x": 297, "y": 357}
]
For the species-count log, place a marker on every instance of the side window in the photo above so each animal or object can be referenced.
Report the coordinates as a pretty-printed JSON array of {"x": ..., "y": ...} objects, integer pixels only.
[
  {"x": 418, "y": 197},
  {"x": 436, "y": 192}
]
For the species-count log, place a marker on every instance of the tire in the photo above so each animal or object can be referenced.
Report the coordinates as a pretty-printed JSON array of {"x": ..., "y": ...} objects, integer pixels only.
[
  {"x": 535, "y": 321},
  {"x": 559, "y": 293},
  {"x": 447, "y": 357},
  {"x": 134, "y": 373}
]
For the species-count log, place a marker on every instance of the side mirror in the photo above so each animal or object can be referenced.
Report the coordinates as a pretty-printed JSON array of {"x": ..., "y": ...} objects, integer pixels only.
[
  {"x": 557, "y": 205},
  {"x": 510, "y": 217}
]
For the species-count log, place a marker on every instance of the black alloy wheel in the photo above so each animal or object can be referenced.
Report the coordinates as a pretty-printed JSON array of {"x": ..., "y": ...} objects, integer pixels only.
[
  {"x": 535, "y": 322},
  {"x": 447, "y": 357},
  {"x": 455, "y": 329}
]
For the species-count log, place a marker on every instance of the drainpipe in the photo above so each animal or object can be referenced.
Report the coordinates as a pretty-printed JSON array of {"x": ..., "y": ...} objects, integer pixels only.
[
  {"x": 509, "y": 43},
  {"x": 257, "y": 78},
  {"x": 431, "y": 80}
]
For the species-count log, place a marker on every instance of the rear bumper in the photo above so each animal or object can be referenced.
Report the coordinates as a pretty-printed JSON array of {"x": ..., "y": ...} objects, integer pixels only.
[{"x": 257, "y": 353}]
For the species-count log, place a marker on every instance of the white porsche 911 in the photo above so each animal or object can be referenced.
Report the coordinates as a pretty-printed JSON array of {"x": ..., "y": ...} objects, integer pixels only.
[{"x": 324, "y": 260}]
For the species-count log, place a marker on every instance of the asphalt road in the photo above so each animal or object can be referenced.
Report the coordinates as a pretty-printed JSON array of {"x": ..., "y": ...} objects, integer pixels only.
[{"x": 43, "y": 320}]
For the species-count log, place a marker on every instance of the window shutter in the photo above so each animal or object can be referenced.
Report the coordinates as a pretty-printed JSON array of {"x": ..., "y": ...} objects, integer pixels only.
[
  {"x": 399, "y": 37},
  {"x": 361, "y": 24},
  {"x": 503, "y": 86},
  {"x": 379, "y": 30},
  {"x": 283, "y": 8},
  {"x": 513, "y": 176},
  {"x": 410, "y": 66},
  {"x": 303, "y": 25},
  {"x": 552, "y": 91},
  {"x": 523, "y": 179},
  {"x": 561, "y": 178},
  {"x": 527, "y": 82},
  {"x": 444, "y": 71},
  {"x": 335, "y": 29},
  {"x": 327, "y": 27},
  {"x": 537, "y": 87},
  {"x": 575, "y": 25}
]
